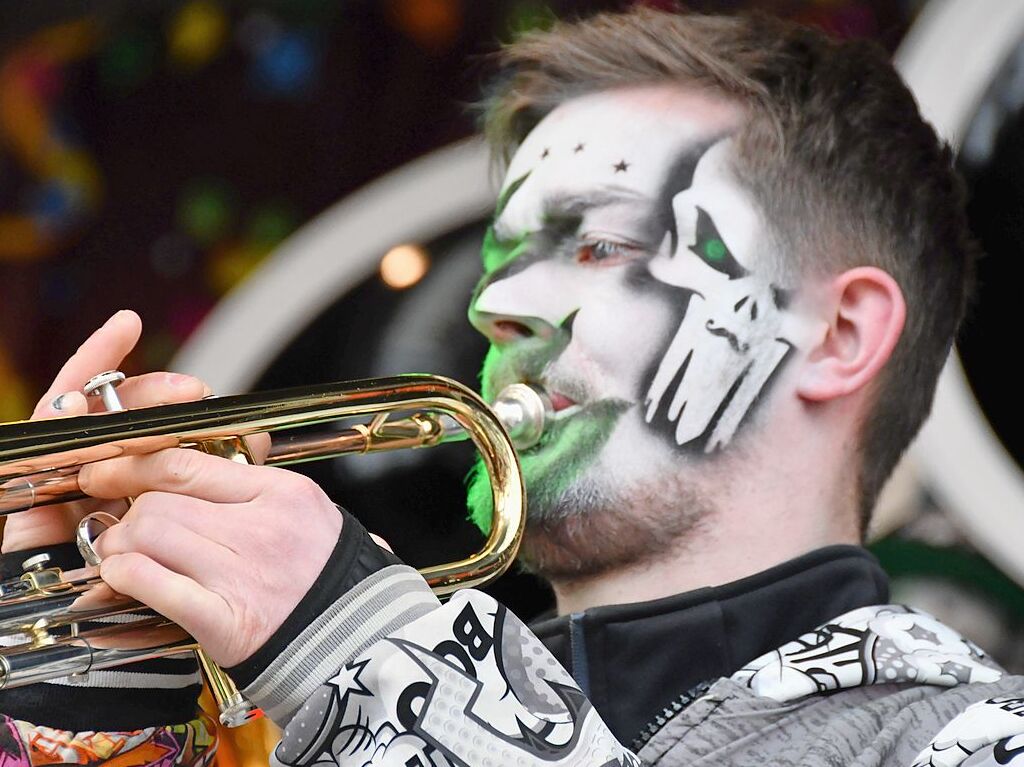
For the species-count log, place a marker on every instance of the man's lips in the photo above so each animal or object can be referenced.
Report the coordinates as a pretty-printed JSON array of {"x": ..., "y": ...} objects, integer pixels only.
[{"x": 559, "y": 401}]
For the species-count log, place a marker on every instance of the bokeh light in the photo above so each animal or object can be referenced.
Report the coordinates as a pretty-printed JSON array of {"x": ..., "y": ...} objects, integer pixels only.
[
  {"x": 403, "y": 266},
  {"x": 197, "y": 34}
]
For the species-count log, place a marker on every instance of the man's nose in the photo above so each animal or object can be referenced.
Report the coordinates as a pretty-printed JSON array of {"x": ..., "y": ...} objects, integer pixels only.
[
  {"x": 502, "y": 328},
  {"x": 530, "y": 304}
]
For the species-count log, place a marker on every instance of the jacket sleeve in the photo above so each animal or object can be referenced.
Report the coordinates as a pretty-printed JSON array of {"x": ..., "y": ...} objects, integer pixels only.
[{"x": 386, "y": 675}]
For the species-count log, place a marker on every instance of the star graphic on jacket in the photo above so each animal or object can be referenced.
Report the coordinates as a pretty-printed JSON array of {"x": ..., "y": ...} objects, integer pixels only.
[
  {"x": 578, "y": 148},
  {"x": 621, "y": 166},
  {"x": 347, "y": 682},
  {"x": 958, "y": 671},
  {"x": 920, "y": 632}
]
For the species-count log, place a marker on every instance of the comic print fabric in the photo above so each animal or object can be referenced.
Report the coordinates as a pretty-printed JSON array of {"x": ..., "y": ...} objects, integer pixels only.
[
  {"x": 967, "y": 741},
  {"x": 193, "y": 744},
  {"x": 893, "y": 644},
  {"x": 467, "y": 684},
  {"x": 872, "y": 645}
]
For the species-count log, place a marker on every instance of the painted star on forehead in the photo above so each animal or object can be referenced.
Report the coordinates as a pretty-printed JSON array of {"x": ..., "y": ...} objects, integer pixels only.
[
  {"x": 347, "y": 681},
  {"x": 545, "y": 153},
  {"x": 578, "y": 148},
  {"x": 621, "y": 166}
]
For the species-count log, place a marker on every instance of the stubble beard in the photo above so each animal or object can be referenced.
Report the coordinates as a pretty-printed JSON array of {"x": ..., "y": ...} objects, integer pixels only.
[{"x": 590, "y": 528}]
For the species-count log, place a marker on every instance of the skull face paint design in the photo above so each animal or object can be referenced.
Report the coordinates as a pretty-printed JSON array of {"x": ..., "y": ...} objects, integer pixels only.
[
  {"x": 735, "y": 331},
  {"x": 628, "y": 274}
]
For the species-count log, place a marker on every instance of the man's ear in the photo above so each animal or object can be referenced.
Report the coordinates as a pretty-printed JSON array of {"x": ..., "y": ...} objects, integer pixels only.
[{"x": 864, "y": 316}]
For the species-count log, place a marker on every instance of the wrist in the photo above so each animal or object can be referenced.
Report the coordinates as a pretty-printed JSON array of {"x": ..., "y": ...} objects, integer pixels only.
[{"x": 355, "y": 557}]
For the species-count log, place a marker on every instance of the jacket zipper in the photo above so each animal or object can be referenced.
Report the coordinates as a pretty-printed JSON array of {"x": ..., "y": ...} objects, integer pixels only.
[
  {"x": 668, "y": 714},
  {"x": 578, "y": 652}
]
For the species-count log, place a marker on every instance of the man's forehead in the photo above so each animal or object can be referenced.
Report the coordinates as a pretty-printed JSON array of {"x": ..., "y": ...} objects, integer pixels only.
[{"x": 626, "y": 141}]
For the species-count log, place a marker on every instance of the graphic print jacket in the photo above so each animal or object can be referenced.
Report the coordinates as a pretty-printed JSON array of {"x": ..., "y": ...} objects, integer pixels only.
[{"x": 386, "y": 675}]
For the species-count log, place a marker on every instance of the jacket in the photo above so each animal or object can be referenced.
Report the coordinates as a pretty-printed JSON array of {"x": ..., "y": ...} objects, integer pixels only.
[{"x": 385, "y": 675}]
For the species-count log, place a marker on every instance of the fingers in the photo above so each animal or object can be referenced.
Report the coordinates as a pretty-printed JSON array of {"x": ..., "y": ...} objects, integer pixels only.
[
  {"x": 173, "y": 531},
  {"x": 185, "y": 472},
  {"x": 66, "y": 404},
  {"x": 202, "y": 613},
  {"x": 148, "y": 390},
  {"x": 104, "y": 350},
  {"x": 153, "y": 389}
]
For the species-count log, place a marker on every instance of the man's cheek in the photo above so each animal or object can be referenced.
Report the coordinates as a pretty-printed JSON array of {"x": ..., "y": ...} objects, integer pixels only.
[{"x": 628, "y": 336}]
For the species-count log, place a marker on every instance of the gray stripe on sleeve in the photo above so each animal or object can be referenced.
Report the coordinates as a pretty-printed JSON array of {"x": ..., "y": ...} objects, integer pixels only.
[{"x": 375, "y": 608}]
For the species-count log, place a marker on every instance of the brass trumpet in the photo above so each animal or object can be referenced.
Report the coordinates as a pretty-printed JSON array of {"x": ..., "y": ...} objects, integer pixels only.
[{"x": 40, "y": 460}]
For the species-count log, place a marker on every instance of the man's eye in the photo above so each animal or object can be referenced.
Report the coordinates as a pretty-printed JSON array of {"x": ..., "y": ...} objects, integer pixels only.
[
  {"x": 605, "y": 252},
  {"x": 711, "y": 248}
]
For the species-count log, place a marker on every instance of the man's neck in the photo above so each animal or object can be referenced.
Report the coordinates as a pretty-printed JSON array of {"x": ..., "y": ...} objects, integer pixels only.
[
  {"x": 679, "y": 572},
  {"x": 748, "y": 534}
]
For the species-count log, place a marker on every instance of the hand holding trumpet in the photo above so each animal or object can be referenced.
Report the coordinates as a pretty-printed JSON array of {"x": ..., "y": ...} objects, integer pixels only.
[
  {"x": 104, "y": 350},
  {"x": 205, "y": 540}
]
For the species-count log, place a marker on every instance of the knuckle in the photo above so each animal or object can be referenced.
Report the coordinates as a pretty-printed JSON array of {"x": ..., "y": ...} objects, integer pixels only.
[
  {"x": 302, "y": 494},
  {"x": 129, "y": 567},
  {"x": 181, "y": 465},
  {"x": 143, "y": 527}
]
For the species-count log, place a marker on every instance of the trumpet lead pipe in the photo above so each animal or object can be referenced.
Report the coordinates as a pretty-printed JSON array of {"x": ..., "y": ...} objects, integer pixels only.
[{"x": 522, "y": 410}]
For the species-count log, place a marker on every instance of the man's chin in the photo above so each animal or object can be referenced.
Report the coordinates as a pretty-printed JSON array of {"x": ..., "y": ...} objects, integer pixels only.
[{"x": 592, "y": 543}]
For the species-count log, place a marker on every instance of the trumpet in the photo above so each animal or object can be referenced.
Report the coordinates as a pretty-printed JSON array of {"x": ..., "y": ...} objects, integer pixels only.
[{"x": 40, "y": 460}]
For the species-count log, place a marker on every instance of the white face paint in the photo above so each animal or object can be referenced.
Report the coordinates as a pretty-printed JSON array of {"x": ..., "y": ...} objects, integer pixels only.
[{"x": 592, "y": 291}]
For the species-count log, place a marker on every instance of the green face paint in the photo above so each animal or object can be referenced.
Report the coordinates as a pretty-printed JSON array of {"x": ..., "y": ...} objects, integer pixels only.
[
  {"x": 568, "y": 448},
  {"x": 570, "y": 445},
  {"x": 495, "y": 253},
  {"x": 715, "y": 250}
]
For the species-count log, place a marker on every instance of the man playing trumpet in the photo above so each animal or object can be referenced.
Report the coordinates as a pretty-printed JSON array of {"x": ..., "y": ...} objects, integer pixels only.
[{"x": 735, "y": 257}]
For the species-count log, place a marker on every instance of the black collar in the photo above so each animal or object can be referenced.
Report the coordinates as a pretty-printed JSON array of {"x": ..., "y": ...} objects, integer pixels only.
[{"x": 634, "y": 660}]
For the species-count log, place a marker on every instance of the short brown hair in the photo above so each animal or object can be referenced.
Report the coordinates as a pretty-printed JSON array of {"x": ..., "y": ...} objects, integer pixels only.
[{"x": 833, "y": 148}]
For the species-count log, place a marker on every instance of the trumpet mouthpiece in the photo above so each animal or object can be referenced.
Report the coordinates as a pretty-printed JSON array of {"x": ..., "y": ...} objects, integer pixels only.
[{"x": 523, "y": 410}]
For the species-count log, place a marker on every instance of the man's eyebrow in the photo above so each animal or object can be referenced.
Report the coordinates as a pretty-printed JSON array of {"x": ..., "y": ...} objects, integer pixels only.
[{"x": 561, "y": 204}]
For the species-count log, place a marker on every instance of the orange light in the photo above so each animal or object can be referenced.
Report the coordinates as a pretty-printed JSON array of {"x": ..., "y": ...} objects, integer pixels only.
[{"x": 403, "y": 266}]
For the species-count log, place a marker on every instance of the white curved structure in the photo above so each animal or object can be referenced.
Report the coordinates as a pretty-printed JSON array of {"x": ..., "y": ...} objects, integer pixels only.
[{"x": 949, "y": 58}]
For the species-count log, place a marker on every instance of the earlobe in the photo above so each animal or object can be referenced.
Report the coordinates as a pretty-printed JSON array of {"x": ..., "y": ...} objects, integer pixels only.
[{"x": 864, "y": 316}]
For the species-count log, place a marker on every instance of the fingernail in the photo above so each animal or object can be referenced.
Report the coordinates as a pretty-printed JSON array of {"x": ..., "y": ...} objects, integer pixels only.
[
  {"x": 58, "y": 402},
  {"x": 178, "y": 379}
]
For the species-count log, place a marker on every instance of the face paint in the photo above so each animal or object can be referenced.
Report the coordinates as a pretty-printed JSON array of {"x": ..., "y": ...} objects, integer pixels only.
[
  {"x": 587, "y": 292},
  {"x": 735, "y": 332}
]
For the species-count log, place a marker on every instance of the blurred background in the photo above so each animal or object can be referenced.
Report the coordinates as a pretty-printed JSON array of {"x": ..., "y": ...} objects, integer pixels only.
[{"x": 289, "y": 193}]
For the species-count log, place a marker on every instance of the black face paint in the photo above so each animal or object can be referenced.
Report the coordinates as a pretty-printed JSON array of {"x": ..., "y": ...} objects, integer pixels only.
[
  {"x": 678, "y": 179},
  {"x": 709, "y": 246}
]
